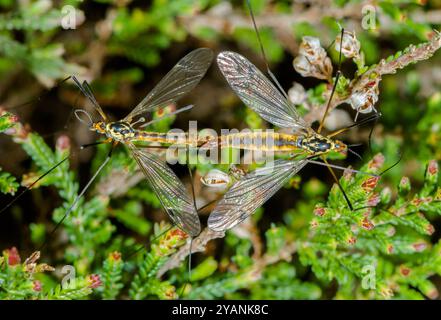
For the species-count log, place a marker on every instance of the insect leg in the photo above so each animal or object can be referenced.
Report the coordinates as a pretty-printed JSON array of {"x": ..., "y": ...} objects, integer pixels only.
[
  {"x": 84, "y": 146},
  {"x": 337, "y": 77},
  {"x": 339, "y": 185},
  {"x": 32, "y": 184},
  {"x": 73, "y": 206},
  {"x": 273, "y": 77}
]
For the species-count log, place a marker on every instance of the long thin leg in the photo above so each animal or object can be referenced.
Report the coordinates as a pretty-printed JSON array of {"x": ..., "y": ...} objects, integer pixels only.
[
  {"x": 189, "y": 269},
  {"x": 339, "y": 185},
  {"x": 337, "y": 77},
  {"x": 273, "y": 77},
  {"x": 357, "y": 124},
  {"x": 84, "y": 146},
  {"x": 186, "y": 108},
  {"x": 168, "y": 229},
  {"x": 191, "y": 239},
  {"x": 46, "y": 173},
  {"x": 73, "y": 206},
  {"x": 33, "y": 184},
  {"x": 327, "y": 164}
]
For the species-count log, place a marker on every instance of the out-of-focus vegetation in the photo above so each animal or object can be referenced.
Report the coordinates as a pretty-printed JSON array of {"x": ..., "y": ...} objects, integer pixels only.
[{"x": 304, "y": 243}]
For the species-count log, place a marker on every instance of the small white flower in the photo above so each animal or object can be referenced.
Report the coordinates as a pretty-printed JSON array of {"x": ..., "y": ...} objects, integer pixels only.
[
  {"x": 312, "y": 60},
  {"x": 303, "y": 66},
  {"x": 297, "y": 93},
  {"x": 364, "y": 101},
  {"x": 337, "y": 118},
  {"x": 312, "y": 49}
]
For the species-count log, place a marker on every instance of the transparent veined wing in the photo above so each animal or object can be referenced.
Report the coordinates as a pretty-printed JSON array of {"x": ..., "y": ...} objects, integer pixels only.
[
  {"x": 169, "y": 189},
  {"x": 257, "y": 92},
  {"x": 251, "y": 192},
  {"x": 184, "y": 76}
]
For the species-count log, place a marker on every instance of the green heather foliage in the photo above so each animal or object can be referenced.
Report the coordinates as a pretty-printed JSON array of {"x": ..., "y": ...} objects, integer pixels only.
[{"x": 304, "y": 243}]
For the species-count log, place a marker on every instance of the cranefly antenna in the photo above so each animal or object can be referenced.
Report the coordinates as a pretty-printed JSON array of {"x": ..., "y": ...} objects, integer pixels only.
[{"x": 41, "y": 95}]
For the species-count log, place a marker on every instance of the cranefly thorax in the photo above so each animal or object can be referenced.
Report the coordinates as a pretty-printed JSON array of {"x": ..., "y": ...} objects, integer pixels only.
[
  {"x": 120, "y": 131},
  {"x": 315, "y": 144}
]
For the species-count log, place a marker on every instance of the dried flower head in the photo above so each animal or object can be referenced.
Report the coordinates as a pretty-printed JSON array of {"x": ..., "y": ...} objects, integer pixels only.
[
  {"x": 350, "y": 46},
  {"x": 312, "y": 49},
  {"x": 364, "y": 99},
  {"x": 312, "y": 60}
]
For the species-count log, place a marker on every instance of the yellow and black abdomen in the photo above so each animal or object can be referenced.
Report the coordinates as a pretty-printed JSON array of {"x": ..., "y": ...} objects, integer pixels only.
[
  {"x": 163, "y": 138},
  {"x": 261, "y": 141}
]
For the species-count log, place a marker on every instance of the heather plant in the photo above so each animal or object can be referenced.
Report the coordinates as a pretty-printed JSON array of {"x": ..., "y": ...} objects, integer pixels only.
[{"x": 305, "y": 243}]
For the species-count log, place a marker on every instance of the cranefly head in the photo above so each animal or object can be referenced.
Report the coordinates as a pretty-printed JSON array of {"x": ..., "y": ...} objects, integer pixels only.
[
  {"x": 99, "y": 127},
  {"x": 340, "y": 147},
  {"x": 85, "y": 118}
]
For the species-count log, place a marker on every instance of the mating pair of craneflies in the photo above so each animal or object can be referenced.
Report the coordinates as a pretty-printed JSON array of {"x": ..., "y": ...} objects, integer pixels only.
[{"x": 256, "y": 91}]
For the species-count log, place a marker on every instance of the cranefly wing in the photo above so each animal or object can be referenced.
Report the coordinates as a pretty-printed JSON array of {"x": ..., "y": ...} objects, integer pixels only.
[
  {"x": 257, "y": 92},
  {"x": 251, "y": 192},
  {"x": 184, "y": 76},
  {"x": 169, "y": 189}
]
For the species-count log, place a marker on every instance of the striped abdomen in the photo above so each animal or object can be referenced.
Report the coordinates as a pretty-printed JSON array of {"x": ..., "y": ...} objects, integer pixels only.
[
  {"x": 164, "y": 138},
  {"x": 261, "y": 141}
]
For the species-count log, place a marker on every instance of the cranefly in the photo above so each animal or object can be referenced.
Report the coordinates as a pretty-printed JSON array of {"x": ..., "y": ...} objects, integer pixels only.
[{"x": 171, "y": 192}]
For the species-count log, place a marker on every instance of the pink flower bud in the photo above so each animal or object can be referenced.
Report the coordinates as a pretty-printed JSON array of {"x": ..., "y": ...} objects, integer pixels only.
[
  {"x": 37, "y": 286},
  {"x": 13, "y": 256},
  {"x": 367, "y": 224},
  {"x": 319, "y": 211},
  {"x": 405, "y": 271},
  {"x": 94, "y": 281},
  {"x": 63, "y": 143},
  {"x": 419, "y": 246}
]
